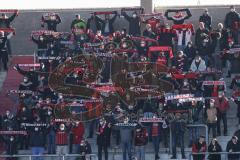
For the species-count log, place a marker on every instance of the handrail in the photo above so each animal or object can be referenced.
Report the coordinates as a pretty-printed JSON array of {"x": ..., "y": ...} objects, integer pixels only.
[
  {"x": 189, "y": 125},
  {"x": 213, "y": 153},
  {"x": 63, "y": 157}
]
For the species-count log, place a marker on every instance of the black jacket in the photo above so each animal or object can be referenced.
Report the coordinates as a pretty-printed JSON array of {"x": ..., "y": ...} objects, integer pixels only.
[
  {"x": 134, "y": 24},
  {"x": 5, "y": 23},
  {"x": 41, "y": 44},
  {"x": 190, "y": 53},
  {"x": 3, "y": 42},
  {"x": 103, "y": 22},
  {"x": 200, "y": 34},
  {"x": 103, "y": 139},
  {"x": 52, "y": 24},
  {"x": 149, "y": 34},
  {"x": 234, "y": 148},
  {"x": 207, "y": 20},
  {"x": 97, "y": 23},
  {"x": 37, "y": 139},
  {"x": 214, "y": 149},
  {"x": 230, "y": 19}
]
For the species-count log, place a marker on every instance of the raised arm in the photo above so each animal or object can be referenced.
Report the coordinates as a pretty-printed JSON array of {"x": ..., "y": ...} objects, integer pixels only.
[
  {"x": 10, "y": 19},
  {"x": 9, "y": 35},
  {"x": 20, "y": 71},
  {"x": 58, "y": 19},
  {"x": 99, "y": 19},
  {"x": 114, "y": 17},
  {"x": 188, "y": 14},
  {"x": 167, "y": 16},
  {"x": 126, "y": 16}
]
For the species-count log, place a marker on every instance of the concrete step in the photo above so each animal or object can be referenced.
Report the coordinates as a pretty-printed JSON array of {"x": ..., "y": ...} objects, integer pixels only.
[{"x": 118, "y": 155}]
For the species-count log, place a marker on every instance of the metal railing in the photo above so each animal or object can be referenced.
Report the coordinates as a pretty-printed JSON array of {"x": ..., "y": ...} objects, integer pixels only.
[
  {"x": 55, "y": 156},
  {"x": 206, "y": 154},
  {"x": 190, "y": 125}
]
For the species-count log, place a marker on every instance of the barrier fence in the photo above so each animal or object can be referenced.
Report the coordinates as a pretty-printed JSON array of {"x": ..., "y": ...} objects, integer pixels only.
[
  {"x": 189, "y": 126},
  {"x": 53, "y": 156},
  {"x": 224, "y": 155}
]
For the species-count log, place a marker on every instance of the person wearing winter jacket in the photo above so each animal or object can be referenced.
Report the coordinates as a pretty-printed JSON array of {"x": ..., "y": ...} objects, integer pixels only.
[
  {"x": 212, "y": 118},
  {"x": 5, "y": 22},
  {"x": 222, "y": 104},
  {"x": 140, "y": 141},
  {"x": 31, "y": 75},
  {"x": 206, "y": 19},
  {"x": 214, "y": 147},
  {"x": 233, "y": 146},
  {"x": 232, "y": 21},
  {"x": 134, "y": 24},
  {"x": 201, "y": 34},
  {"x": 107, "y": 24},
  {"x": 180, "y": 61},
  {"x": 156, "y": 130},
  {"x": 37, "y": 142},
  {"x": 190, "y": 52},
  {"x": 4, "y": 50},
  {"x": 78, "y": 132},
  {"x": 198, "y": 65},
  {"x": 26, "y": 84},
  {"x": 84, "y": 149},
  {"x": 199, "y": 147},
  {"x": 78, "y": 23},
  {"x": 11, "y": 147},
  {"x": 52, "y": 20},
  {"x": 103, "y": 138},
  {"x": 62, "y": 140}
]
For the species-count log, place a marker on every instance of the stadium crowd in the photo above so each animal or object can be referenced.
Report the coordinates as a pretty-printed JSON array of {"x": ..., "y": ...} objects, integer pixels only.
[{"x": 196, "y": 59}]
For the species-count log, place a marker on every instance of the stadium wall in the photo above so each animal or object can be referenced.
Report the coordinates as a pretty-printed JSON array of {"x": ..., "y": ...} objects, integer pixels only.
[{"x": 29, "y": 20}]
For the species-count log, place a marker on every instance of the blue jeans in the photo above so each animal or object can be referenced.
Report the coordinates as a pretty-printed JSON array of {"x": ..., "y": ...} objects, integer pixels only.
[
  {"x": 126, "y": 148},
  {"x": 156, "y": 143},
  {"x": 51, "y": 143},
  {"x": 37, "y": 151},
  {"x": 140, "y": 152},
  {"x": 193, "y": 134}
]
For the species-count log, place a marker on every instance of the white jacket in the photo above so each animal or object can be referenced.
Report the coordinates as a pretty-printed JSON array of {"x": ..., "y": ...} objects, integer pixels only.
[{"x": 202, "y": 66}]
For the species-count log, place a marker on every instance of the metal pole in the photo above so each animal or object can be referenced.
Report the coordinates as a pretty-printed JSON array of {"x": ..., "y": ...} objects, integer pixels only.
[
  {"x": 206, "y": 127},
  {"x": 30, "y": 157},
  {"x": 170, "y": 139},
  {"x": 34, "y": 59}
]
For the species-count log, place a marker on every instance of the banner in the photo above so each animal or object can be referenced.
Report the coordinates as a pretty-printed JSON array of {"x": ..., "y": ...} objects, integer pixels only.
[
  {"x": 8, "y": 10},
  {"x": 104, "y": 12},
  {"x": 34, "y": 124},
  {"x": 178, "y": 96},
  {"x": 152, "y": 14},
  {"x": 29, "y": 65},
  {"x": 140, "y": 9},
  {"x": 144, "y": 39},
  {"x": 213, "y": 83},
  {"x": 13, "y": 132},
  {"x": 151, "y": 120},
  {"x": 8, "y": 30},
  {"x": 126, "y": 124},
  {"x": 14, "y": 91},
  {"x": 160, "y": 49}
]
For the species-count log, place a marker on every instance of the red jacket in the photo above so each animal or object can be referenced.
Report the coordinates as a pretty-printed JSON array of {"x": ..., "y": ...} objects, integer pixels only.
[
  {"x": 222, "y": 106},
  {"x": 199, "y": 148},
  {"x": 61, "y": 138},
  {"x": 78, "y": 133}
]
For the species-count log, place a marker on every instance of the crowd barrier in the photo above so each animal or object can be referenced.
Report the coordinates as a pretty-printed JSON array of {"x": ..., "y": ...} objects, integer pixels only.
[{"x": 50, "y": 156}]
